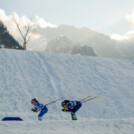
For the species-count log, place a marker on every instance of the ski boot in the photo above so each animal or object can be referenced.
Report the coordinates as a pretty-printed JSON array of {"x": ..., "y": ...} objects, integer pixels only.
[{"x": 73, "y": 116}]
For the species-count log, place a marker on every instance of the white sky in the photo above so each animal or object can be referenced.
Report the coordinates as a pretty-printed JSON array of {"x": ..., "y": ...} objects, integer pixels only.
[{"x": 105, "y": 16}]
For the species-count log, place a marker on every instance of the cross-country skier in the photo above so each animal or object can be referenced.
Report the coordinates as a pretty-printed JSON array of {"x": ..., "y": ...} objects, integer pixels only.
[
  {"x": 71, "y": 106},
  {"x": 39, "y": 107}
]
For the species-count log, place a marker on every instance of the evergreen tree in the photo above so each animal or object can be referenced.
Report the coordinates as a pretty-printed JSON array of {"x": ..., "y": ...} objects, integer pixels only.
[{"x": 6, "y": 39}]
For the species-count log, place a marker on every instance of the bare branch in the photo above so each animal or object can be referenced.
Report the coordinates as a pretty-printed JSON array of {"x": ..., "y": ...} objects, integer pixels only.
[
  {"x": 27, "y": 31},
  {"x": 29, "y": 38},
  {"x": 19, "y": 28},
  {"x": 24, "y": 36}
]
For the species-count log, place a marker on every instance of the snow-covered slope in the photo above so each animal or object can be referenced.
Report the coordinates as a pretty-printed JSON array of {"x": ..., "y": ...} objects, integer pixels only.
[{"x": 24, "y": 75}]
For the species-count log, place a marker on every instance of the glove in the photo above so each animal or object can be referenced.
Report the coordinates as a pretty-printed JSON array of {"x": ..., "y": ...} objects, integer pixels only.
[
  {"x": 33, "y": 110},
  {"x": 69, "y": 108},
  {"x": 64, "y": 110}
]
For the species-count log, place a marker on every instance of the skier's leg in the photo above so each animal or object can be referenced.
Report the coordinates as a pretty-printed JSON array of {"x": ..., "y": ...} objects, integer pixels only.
[
  {"x": 43, "y": 111},
  {"x": 76, "y": 108},
  {"x": 73, "y": 116}
]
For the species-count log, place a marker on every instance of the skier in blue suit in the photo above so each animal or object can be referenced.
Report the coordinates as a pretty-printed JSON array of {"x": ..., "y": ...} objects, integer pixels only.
[
  {"x": 71, "y": 106},
  {"x": 39, "y": 107}
]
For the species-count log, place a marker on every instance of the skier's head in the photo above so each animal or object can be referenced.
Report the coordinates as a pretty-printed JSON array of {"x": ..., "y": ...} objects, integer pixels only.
[
  {"x": 64, "y": 102},
  {"x": 33, "y": 101}
]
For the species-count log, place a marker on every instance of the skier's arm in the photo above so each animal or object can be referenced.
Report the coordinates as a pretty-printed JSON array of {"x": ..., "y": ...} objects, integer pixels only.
[
  {"x": 69, "y": 106},
  {"x": 65, "y": 110}
]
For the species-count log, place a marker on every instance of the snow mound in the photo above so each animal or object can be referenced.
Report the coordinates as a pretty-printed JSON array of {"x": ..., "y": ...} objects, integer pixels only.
[{"x": 24, "y": 75}]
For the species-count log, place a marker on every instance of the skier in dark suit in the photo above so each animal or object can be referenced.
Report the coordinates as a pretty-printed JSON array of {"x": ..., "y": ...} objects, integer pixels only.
[{"x": 71, "y": 106}]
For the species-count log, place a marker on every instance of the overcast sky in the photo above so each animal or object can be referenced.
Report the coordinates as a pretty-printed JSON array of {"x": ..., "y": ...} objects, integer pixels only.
[{"x": 105, "y": 16}]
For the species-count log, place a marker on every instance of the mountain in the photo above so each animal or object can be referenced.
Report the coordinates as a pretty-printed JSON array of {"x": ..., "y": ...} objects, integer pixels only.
[
  {"x": 80, "y": 38},
  {"x": 6, "y": 39},
  {"x": 71, "y": 32},
  {"x": 45, "y": 76},
  {"x": 83, "y": 50},
  {"x": 62, "y": 44}
]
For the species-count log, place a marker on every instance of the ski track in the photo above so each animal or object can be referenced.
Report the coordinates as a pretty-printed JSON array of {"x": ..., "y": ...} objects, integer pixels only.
[
  {"x": 51, "y": 78},
  {"x": 48, "y": 82},
  {"x": 55, "y": 80}
]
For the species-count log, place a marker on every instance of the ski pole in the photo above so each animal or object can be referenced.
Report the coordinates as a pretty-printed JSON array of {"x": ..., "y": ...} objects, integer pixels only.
[
  {"x": 90, "y": 99},
  {"x": 53, "y": 102},
  {"x": 65, "y": 109},
  {"x": 84, "y": 101},
  {"x": 85, "y": 98}
]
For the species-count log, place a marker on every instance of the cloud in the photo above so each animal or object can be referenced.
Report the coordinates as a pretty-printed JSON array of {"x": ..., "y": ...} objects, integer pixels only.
[
  {"x": 125, "y": 42},
  {"x": 3, "y": 15},
  {"x": 23, "y": 21},
  {"x": 129, "y": 34},
  {"x": 42, "y": 23},
  {"x": 118, "y": 37},
  {"x": 130, "y": 18}
]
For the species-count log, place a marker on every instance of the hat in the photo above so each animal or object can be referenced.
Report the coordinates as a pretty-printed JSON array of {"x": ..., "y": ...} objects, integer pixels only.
[
  {"x": 33, "y": 101},
  {"x": 64, "y": 102}
]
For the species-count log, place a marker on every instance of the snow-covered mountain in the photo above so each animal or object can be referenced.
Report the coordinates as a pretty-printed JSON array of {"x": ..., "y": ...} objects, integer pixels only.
[
  {"x": 24, "y": 75},
  {"x": 100, "y": 44},
  {"x": 62, "y": 44}
]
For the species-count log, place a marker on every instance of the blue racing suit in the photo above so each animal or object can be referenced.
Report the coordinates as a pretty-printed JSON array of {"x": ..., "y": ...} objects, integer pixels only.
[
  {"x": 73, "y": 106},
  {"x": 40, "y": 107}
]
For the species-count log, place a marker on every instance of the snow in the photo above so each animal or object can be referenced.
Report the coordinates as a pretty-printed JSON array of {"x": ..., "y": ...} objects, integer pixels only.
[{"x": 47, "y": 76}]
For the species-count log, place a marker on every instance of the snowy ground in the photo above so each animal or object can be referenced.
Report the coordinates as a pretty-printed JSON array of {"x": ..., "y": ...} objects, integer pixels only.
[
  {"x": 24, "y": 75},
  {"x": 112, "y": 126}
]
